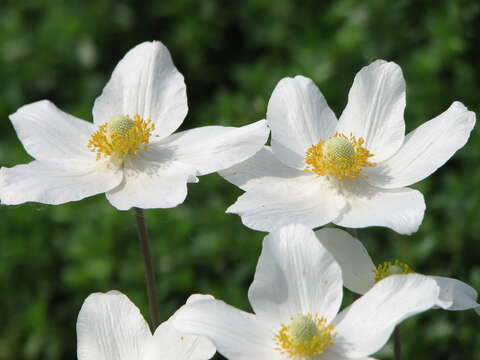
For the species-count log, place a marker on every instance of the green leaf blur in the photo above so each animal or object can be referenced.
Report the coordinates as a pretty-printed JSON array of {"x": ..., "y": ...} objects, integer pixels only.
[{"x": 232, "y": 53}]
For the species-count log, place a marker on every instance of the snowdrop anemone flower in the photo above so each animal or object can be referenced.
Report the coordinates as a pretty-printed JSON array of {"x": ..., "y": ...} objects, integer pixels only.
[
  {"x": 360, "y": 274},
  {"x": 129, "y": 151},
  {"x": 110, "y": 327},
  {"x": 352, "y": 172},
  {"x": 296, "y": 295}
]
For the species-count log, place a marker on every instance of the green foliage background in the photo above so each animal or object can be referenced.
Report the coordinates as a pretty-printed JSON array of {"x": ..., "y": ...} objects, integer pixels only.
[{"x": 232, "y": 53}]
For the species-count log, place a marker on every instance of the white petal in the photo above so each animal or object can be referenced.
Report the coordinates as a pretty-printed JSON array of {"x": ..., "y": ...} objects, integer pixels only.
[
  {"x": 152, "y": 180},
  {"x": 305, "y": 199},
  {"x": 352, "y": 257},
  {"x": 365, "y": 326},
  {"x": 56, "y": 182},
  {"x": 47, "y": 133},
  {"x": 376, "y": 102},
  {"x": 170, "y": 344},
  {"x": 455, "y": 295},
  {"x": 425, "y": 149},
  {"x": 199, "y": 297},
  {"x": 237, "y": 335},
  {"x": 263, "y": 168},
  {"x": 110, "y": 327},
  {"x": 146, "y": 83},
  {"x": 299, "y": 117},
  {"x": 213, "y": 148},
  {"x": 295, "y": 275},
  {"x": 398, "y": 209},
  {"x": 330, "y": 355}
]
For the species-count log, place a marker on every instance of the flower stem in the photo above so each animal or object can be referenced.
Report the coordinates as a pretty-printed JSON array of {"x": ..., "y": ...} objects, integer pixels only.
[
  {"x": 148, "y": 266},
  {"x": 397, "y": 346}
]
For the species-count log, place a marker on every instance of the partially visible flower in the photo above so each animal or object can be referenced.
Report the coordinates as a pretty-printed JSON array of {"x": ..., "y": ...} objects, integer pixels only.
[
  {"x": 129, "y": 151},
  {"x": 360, "y": 274},
  {"x": 296, "y": 295},
  {"x": 353, "y": 172},
  {"x": 110, "y": 327}
]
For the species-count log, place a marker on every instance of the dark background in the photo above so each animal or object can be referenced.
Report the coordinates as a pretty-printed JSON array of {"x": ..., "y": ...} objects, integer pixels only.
[{"x": 232, "y": 53}]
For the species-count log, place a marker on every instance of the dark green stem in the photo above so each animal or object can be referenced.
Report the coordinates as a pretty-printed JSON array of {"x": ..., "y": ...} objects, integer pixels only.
[
  {"x": 148, "y": 266},
  {"x": 397, "y": 346}
]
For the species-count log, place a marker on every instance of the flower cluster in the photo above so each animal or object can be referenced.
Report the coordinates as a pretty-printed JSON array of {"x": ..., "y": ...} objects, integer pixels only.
[{"x": 353, "y": 172}]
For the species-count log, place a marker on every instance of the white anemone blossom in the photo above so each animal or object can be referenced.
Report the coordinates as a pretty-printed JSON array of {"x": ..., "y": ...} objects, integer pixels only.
[
  {"x": 296, "y": 295},
  {"x": 110, "y": 327},
  {"x": 129, "y": 152},
  {"x": 360, "y": 273},
  {"x": 353, "y": 172}
]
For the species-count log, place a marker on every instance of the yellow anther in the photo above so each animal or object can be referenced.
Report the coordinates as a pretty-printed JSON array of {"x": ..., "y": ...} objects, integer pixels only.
[
  {"x": 339, "y": 156},
  {"x": 305, "y": 337},
  {"x": 121, "y": 136},
  {"x": 391, "y": 268}
]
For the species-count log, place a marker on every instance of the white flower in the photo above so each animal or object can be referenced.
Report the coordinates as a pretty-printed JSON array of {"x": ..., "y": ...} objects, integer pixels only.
[
  {"x": 296, "y": 295},
  {"x": 129, "y": 151},
  {"x": 352, "y": 172},
  {"x": 360, "y": 274},
  {"x": 110, "y": 327}
]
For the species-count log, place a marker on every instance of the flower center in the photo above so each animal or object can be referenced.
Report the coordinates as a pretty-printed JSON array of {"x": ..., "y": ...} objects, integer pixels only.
[
  {"x": 391, "y": 268},
  {"x": 121, "y": 136},
  {"x": 339, "y": 156},
  {"x": 305, "y": 337},
  {"x": 119, "y": 125}
]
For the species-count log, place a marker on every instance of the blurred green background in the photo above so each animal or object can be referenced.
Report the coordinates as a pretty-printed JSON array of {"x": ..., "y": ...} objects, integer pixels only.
[{"x": 232, "y": 54}]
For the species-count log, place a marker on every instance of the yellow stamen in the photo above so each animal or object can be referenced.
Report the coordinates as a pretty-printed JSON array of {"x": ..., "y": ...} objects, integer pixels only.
[
  {"x": 121, "y": 136},
  {"x": 339, "y": 156},
  {"x": 305, "y": 337},
  {"x": 391, "y": 268}
]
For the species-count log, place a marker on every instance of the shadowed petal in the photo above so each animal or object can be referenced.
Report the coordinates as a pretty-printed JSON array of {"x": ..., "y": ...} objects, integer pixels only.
[
  {"x": 455, "y": 295},
  {"x": 152, "y": 180},
  {"x": 352, "y": 257},
  {"x": 398, "y": 209}
]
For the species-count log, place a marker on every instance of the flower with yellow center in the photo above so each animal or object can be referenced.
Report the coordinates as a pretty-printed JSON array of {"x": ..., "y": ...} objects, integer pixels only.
[
  {"x": 339, "y": 156},
  {"x": 130, "y": 152},
  {"x": 111, "y": 327},
  {"x": 121, "y": 136},
  {"x": 296, "y": 296},
  {"x": 360, "y": 274},
  {"x": 353, "y": 171},
  {"x": 305, "y": 337}
]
